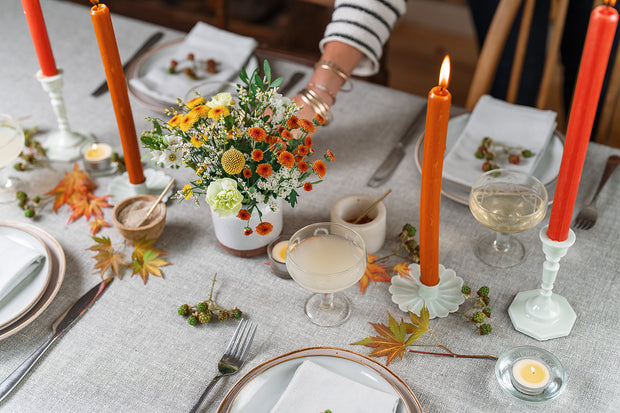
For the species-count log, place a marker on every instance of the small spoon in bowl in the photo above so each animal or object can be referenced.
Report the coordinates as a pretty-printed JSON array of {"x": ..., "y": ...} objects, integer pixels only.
[{"x": 157, "y": 201}]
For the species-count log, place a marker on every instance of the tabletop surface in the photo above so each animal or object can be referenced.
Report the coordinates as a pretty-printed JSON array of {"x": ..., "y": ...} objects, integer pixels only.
[{"x": 132, "y": 352}]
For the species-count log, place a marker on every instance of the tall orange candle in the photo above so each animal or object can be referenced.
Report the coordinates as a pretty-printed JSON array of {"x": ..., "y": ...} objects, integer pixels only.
[
  {"x": 40, "y": 39},
  {"x": 599, "y": 39},
  {"x": 100, "y": 15},
  {"x": 437, "y": 116}
]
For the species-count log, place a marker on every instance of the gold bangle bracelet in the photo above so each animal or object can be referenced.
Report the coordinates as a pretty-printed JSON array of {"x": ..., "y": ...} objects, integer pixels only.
[
  {"x": 318, "y": 106},
  {"x": 324, "y": 89},
  {"x": 329, "y": 65}
]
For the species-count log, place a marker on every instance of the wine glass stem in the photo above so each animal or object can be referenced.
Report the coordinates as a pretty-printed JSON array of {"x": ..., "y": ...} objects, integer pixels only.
[
  {"x": 327, "y": 301},
  {"x": 502, "y": 242}
]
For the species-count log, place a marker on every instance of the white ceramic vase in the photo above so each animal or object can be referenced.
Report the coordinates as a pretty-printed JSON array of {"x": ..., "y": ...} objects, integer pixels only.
[{"x": 229, "y": 231}]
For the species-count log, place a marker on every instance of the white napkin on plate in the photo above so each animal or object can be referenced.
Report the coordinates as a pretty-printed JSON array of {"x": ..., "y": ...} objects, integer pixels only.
[
  {"x": 506, "y": 123},
  {"x": 314, "y": 389},
  {"x": 231, "y": 52},
  {"x": 17, "y": 262}
]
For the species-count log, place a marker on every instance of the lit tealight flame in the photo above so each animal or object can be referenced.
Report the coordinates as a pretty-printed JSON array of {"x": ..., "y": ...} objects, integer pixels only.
[
  {"x": 444, "y": 73},
  {"x": 610, "y": 3}
]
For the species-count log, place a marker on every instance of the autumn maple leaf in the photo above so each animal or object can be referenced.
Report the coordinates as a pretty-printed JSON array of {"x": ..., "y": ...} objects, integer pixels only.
[
  {"x": 374, "y": 272},
  {"x": 107, "y": 257},
  {"x": 394, "y": 338},
  {"x": 97, "y": 224},
  {"x": 402, "y": 269},
  {"x": 75, "y": 181},
  {"x": 146, "y": 260}
]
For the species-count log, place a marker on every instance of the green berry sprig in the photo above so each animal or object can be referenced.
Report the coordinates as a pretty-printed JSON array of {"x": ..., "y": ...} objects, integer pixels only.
[
  {"x": 493, "y": 153},
  {"x": 190, "y": 67},
  {"x": 479, "y": 310},
  {"x": 29, "y": 205},
  {"x": 205, "y": 311},
  {"x": 33, "y": 154}
]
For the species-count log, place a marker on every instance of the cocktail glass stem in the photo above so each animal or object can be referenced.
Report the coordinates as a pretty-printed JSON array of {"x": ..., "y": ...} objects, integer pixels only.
[
  {"x": 328, "y": 309},
  {"x": 500, "y": 250},
  {"x": 502, "y": 242},
  {"x": 327, "y": 301}
]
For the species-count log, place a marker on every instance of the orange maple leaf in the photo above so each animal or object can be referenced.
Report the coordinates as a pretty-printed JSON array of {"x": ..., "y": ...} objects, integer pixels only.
[
  {"x": 402, "y": 269},
  {"x": 374, "y": 272},
  {"x": 97, "y": 224},
  {"x": 75, "y": 181}
]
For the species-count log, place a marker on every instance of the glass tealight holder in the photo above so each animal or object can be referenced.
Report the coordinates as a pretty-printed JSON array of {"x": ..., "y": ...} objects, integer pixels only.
[
  {"x": 97, "y": 159},
  {"x": 276, "y": 251},
  {"x": 530, "y": 373}
]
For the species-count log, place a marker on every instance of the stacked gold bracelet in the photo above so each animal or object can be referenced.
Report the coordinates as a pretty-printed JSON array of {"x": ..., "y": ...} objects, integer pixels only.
[
  {"x": 310, "y": 97},
  {"x": 329, "y": 65}
]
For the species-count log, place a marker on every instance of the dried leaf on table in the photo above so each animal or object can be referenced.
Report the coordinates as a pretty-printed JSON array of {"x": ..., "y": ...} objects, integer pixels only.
[
  {"x": 147, "y": 260},
  {"x": 107, "y": 257},
  {"x": 97, "y": 224},
  {"x": 75, "y": 181},
  {"x": 374, "y": 272},
  {"x": 402, "y": 269}
]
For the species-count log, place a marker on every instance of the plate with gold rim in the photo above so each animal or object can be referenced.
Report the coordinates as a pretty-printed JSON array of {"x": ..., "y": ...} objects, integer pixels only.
[{"x": 259, "y": 389}]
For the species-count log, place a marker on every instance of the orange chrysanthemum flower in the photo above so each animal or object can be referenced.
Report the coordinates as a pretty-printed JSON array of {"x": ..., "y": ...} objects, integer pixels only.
[
  {"x": 302, "y": 166},
  {"x": 264, "y": 228},
  {"x": 247, "y": 173},
  {"x": 264, "y": 169},
  {"x": 308, "y": 186},
  {"x": 308, "y": 141},
  {"x": 201, "y": 110},
  {"x": 302, "y": 150},
  {"x": 319, "y": 119},
  {"x": 218, "y": 111},
  {"x": 176, "y": 120},
  {"x": 243, "y": 215},
  {"x": 286, "y": 158},
  {"x": 307, "y": 125},
  {"x": 257, "y": 133},
  {"x": 281, "y": 129},
  {"x": 196, "y": 142},
  {"x": 320, "y": 168},
  {"x": 298, "y": 158},
  {"x": 198, "y": 100},
  {"x": 330, "y": 155},
  {"x": 188, "y": 121},
  {"x": 247, "y": 232},
  {"x": 287, "y": 135},
  {"x": 257, "y": 155},
  {"x": 293, "y": 122}
]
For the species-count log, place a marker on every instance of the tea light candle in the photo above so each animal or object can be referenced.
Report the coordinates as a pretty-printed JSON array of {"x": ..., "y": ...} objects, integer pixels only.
[
  {"x": 277, "y": 256},
  {"x": 278, "y": 252},
  {"x": 98, "y": 157},
  {"x": 530, "y": 375}
]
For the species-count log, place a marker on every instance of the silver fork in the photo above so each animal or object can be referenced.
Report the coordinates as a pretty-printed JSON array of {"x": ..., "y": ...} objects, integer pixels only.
[
  {"x": 588, "y": 215},
  {"x": 233, "y": 358}
]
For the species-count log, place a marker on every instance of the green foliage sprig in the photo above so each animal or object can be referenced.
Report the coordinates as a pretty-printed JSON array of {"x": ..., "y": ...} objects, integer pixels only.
[{"x": 205, "y": 311}]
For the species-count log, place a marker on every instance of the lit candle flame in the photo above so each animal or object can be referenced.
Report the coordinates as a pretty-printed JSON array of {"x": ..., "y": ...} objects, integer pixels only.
[
  {"x": 444, "y": 73},
  {"x": 94, "y": 2},
  {"x": 610, "y": 3}
]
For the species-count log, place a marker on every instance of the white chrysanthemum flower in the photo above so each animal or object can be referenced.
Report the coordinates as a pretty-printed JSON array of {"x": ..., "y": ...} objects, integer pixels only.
[
  {"x": 172, "y": 157},
  {"x": 173, "y": 140}
]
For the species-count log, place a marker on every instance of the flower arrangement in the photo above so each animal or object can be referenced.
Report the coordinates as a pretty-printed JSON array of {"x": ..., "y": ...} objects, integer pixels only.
[{"x": 245, "y": 151}]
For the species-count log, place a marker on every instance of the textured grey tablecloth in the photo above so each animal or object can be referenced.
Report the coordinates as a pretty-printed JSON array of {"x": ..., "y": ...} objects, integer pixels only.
[{"x": 131, "y": 352}]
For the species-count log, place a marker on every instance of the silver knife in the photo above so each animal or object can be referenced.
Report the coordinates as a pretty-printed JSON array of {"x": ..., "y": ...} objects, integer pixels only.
[
  {"x": 61, "y": 325},
  {"x": 386, "y": 169},
  {"x": 103, "y": 87}
]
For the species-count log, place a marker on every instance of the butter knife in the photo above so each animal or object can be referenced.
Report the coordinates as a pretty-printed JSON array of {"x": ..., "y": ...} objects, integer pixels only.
[
  {"x": 387, "y": 168},
  {"x": 103, "y": 87},
  {"x": 62, "y": 324}
]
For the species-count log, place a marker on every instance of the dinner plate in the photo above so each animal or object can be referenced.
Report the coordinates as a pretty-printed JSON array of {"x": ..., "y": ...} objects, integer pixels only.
[
  {"x": 260, "y": 389},
  {"x": 161, "y": 55},
  {"x": 57, "y": 273},
  {"x": 26, "y": 295},
  {"x": 546, "y": 171}
]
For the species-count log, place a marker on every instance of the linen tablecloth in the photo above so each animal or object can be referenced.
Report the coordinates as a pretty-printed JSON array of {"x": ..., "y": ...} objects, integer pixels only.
[{"x": 132, "y": 352}]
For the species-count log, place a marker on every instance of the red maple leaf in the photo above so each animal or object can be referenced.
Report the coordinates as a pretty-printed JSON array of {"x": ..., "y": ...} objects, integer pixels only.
[
  {"x": 374, "y": 272},
  {"x": 76, "y": 181}
]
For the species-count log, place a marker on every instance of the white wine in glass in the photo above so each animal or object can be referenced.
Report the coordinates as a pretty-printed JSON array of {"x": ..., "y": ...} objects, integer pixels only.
[
  {"x": 11, "y": 144},
  {"x": 508, "y": 202},
  {"x": 326, "y": 258}
]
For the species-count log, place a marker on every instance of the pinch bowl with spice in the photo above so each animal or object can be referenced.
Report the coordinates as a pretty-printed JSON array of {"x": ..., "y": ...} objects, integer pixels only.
[
  {"x": 129, "y": 213},
  {"x": 371, "y": 227}
]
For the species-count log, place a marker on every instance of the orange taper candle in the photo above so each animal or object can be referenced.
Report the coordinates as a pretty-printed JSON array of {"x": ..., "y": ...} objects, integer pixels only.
[
  {"x": 104, "y": 31},
  {"x": 437, "y": 116}
]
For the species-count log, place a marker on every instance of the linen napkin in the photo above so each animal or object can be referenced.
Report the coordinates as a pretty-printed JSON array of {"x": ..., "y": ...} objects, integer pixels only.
[
  {"x": 231, "y": 52},
  {"x": 18, "y": 261},
  {"x": 506, "y": 123},
  {"x": 314, "y": 389}
]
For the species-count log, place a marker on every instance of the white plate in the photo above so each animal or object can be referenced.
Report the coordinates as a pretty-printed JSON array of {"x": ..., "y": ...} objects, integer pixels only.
[
  {"x": 259, "y": 390},
  {"x": 27, "y": 294},
  {"x": 161, "y": 55},
  {"x": 57, "y": 273},
  {"x": 546, "y": 171}
]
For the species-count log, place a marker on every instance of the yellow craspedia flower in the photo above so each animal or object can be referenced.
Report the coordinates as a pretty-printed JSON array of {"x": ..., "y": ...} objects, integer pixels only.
[
  {"x": 196, "y": 142},
  {"x": 188, "y": 121},
  {"x": 201, "y": 110},
  {"x": 198, "y": 100},
  {"x": 233, "y": 161},
  {"x": 176, "y": 120},
  {"x": 218, "y": 111},
  {"x": 187, "y": 191}
]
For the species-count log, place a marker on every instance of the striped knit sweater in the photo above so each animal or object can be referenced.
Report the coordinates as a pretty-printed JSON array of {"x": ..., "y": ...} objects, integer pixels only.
[{"x": 365, "y": 25}]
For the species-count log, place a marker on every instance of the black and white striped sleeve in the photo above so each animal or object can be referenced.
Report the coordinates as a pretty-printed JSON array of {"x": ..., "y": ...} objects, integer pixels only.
[{"x": 365, "y": 25}]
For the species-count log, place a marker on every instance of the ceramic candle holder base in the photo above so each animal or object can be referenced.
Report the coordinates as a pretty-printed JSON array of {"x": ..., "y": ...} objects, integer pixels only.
[
  {"x": 541, "y": 314},
  {"x": 440, "y": 300},
  {"x": 64, "y": 145},
  {"x": 155, "y": 182}
]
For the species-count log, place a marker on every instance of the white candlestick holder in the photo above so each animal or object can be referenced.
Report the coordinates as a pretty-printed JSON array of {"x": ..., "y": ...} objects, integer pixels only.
[
  {"x": 154, "y": 183},
  {"x": 440, "y": 300},
  {"x": 64, "y": 144},
  {"x": 542, "y": 314}
]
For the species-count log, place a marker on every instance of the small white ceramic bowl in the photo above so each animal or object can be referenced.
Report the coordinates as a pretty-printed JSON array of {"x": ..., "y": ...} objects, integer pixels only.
[{"x": 349, "y": 207}]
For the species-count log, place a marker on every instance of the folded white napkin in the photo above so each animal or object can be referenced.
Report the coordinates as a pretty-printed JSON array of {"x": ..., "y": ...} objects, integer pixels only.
[
  {"x": 17, "y": 262},
  {"x": 506, "y": 123},
  {"x": 314, "y": 389},
  {"x": 231, "y": 51}
]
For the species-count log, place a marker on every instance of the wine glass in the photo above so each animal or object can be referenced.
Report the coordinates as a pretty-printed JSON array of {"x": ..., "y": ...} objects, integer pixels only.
[
  {"x": 507, "y": 201},
  {"x": 11, "y": 144},
  {"x": 325, "y": 258}
]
